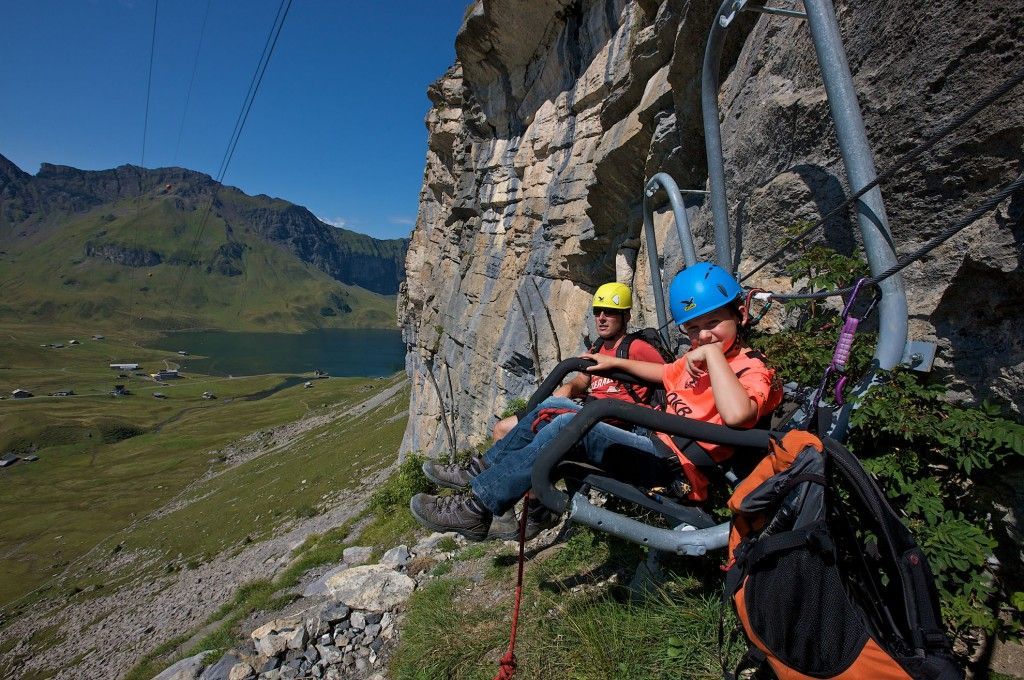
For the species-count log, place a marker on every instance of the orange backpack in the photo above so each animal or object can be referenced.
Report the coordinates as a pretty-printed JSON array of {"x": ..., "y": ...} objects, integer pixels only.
[{"x": 825, "y": 579}]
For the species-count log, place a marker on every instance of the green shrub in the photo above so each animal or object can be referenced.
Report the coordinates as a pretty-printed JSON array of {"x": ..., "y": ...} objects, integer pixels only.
[
  {"x": 442, "y": 569},
  {"x": 801, "y": 353},
  {"x": 944, "y": 466},
  {"x": 405, "y": 483},
  {"x": 113, "y": 431},
  {"x": 306, "y": 511},
  {"x": 473, "y": 552},
  {"x": 447, "y": 544},
  {"x": 513, "y": 407}
]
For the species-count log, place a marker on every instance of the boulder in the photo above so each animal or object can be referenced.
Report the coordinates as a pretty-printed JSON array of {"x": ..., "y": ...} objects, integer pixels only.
[
  {"x": 330, "y": 654},
  {"x": 397, "y": 557},
  {"x": 220, "y": 670},
  {"x": 356, "y": 555},
  {"x": 322, "y": 619},
  {"x": 429, "y": 544},
  {"x": 241, "y": 671},
  {"x": 372, "y": 587},
  {"x": 317, "y": 587},
  {"x": 278, "y": 635}
]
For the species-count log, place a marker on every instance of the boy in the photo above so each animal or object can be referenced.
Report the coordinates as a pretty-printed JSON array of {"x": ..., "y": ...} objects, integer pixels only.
[{"x": 719, "y": 380}]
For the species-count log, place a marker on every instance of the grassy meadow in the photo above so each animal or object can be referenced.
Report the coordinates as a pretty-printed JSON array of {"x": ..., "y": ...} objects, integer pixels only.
[{"x": 105, "y": 463}]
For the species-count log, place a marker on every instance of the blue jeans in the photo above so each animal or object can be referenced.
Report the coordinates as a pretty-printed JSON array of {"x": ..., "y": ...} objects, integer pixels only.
[
  {"x": 522, "y": 434},
  {"x": 509, "y": 476}
]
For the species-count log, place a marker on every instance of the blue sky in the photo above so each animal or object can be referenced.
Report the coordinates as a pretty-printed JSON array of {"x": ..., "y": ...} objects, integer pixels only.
[{"x": 337, "y": 125}]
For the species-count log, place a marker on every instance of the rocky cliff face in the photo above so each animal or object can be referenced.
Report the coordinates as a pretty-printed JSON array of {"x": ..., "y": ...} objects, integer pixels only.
[{"x": 542, "y": 135}]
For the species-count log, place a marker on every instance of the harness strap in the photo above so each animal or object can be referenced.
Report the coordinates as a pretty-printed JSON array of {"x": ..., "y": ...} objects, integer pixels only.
[
  {"x": 753, "y": 658},
  {"x": 751, "y": 551},
  {"x": 813, "y": 537},
  {"x": 698, "y": 456}
]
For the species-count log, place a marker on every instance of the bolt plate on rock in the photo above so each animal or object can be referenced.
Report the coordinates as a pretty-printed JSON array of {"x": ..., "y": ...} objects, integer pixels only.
[{"x": 919, "y": 355}]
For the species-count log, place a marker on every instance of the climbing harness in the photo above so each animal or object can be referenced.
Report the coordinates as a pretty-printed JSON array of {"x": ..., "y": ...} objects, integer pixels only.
[
  {"x": 507, "y": 665},
  {"x": 546, "y": 415},
  {"x": 655, "y": 395}
]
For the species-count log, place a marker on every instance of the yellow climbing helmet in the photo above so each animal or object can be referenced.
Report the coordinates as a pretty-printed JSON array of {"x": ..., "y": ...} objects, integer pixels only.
[{"x": 614, "y": 296}]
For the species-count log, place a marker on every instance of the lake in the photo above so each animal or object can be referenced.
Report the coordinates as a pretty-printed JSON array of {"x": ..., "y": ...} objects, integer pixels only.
[{"x": 339, "y": 352}]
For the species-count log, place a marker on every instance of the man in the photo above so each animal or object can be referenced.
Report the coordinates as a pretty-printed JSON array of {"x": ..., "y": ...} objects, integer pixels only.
[{"x": 611, "y": 310}]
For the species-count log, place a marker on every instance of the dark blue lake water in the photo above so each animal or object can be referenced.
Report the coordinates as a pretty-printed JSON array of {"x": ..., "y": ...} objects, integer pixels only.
[{"x": 339, "y": 352}]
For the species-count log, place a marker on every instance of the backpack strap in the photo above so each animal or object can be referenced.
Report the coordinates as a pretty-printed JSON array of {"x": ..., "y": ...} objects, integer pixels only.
[
  {"x": 920, "y": 611},
  {"x": 622, "y": 352},
  {"x": 753, "y": 659}
]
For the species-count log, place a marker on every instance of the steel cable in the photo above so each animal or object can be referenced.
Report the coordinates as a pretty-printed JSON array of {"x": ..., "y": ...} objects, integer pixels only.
[
  {"x": 905, "y": 159},
  {"x": 987, "y": 205}
]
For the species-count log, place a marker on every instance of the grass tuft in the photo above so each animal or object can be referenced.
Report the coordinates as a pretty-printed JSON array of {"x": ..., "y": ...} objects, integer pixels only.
[
  {"x": 447, "y": 544},
  {"x": 439, "y": 640}
]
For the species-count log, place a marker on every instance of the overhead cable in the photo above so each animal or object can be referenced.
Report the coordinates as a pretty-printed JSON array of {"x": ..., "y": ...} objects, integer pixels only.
[
  {"x": 250, "y": 97},
  {"x": 191, "y": 82}
]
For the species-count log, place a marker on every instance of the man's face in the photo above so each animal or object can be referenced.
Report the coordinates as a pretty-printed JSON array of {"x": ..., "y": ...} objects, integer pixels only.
[{"x": 610, "y": 323}]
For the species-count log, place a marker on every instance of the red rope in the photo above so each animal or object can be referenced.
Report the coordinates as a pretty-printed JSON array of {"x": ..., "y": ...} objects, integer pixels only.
[
  {"x": 546, "y": 415},
  {"x": 507, "y": 669}
]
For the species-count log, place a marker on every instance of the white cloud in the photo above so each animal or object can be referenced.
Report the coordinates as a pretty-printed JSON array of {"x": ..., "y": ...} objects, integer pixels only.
[
  {"x": 402, "y": 221},
  {"x": 339, "y": 222}
]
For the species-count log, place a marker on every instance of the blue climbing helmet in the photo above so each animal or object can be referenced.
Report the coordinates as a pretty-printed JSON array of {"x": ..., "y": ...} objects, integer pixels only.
[{"x": 700, "y": 289}]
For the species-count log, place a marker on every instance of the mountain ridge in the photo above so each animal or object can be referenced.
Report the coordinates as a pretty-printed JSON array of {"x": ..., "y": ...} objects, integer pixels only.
[{"x": 182, "y": 220}]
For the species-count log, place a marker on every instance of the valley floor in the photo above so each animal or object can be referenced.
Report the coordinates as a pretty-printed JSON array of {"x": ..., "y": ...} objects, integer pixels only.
[{"x": 113, "y": 544}]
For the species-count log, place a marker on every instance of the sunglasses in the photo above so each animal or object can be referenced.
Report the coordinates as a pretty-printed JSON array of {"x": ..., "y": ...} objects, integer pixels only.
[{"x": 598, "y": 311}]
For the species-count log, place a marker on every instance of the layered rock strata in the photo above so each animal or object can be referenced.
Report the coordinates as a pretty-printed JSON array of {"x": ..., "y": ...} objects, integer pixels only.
[{"x": 543, "y": 133}]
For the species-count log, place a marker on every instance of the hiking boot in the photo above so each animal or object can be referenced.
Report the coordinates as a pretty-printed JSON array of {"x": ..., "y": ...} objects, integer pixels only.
[
  {"x": 461, "y": 513},
  {"x": 506, "y": 527},
  {"x": 454, "y": 476}
]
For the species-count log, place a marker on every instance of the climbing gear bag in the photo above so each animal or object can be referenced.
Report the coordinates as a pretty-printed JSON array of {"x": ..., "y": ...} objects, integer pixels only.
[{"x": 825, "y": 579}]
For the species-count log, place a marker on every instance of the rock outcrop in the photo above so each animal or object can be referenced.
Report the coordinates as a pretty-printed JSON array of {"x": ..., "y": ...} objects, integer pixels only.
[
  {"x": 543, "y": 133},
  {"x": 346, "y": 624}
]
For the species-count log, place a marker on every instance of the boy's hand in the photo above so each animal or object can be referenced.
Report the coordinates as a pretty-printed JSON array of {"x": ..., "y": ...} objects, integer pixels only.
[
  {"x": 697, "y": 359},
  {"x": 604, "y": 362}
]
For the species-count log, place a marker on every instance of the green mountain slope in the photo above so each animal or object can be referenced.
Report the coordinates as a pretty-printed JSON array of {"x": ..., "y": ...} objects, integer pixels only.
[{"x": 145, "y": 248}]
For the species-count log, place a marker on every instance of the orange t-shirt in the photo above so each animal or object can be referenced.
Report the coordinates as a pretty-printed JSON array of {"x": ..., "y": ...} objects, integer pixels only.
[
  {"x": 606, "y": 388},
  {"x": 692, "y": 398}
]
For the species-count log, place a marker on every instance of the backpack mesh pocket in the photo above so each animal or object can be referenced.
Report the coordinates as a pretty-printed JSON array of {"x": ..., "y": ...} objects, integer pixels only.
[{"x": 797, "y": 606}]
